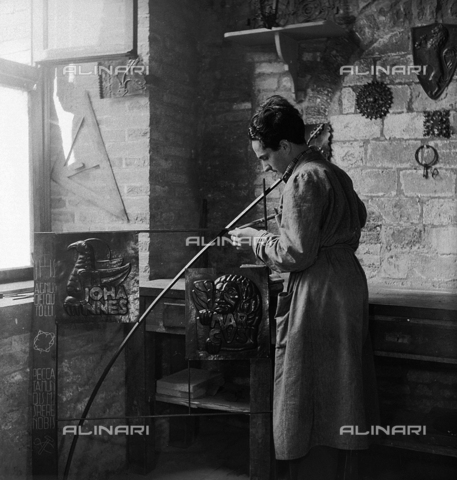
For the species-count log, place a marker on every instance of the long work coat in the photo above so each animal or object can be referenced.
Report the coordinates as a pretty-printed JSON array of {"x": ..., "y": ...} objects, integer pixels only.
[{"x": 324, "y": 375}]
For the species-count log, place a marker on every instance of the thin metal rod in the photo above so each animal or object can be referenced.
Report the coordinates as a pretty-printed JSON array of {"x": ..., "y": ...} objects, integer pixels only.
[
  {"x": 265, "y": 206},
  {"x": 146, "y": 313},
  {"x": 170, "y": 230},
  {"x": 169, "y": 415},
  {"x": 259, "y": 220}
]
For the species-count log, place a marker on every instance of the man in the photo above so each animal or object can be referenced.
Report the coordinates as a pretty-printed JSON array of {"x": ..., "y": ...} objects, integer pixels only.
[{"x": 324, "y": 374}]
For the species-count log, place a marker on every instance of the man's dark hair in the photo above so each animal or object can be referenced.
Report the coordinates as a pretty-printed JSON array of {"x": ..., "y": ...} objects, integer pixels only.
[{"x": 276, "y": 120}]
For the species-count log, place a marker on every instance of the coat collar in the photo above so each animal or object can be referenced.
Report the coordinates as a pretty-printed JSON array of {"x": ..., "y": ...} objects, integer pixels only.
[{"x": 291, "y": 167}]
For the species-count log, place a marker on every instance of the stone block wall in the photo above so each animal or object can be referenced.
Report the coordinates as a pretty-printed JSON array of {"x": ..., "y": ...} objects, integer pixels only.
[{"x": 409, "y": 239}]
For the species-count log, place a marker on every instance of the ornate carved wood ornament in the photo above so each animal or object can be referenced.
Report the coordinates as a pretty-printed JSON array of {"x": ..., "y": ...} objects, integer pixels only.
[
  {"x": 121, "y": 78},
  {"x": 227, "y": 314}
]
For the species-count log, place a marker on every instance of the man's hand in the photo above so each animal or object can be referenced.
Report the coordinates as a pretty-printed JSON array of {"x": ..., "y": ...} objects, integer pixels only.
[{"x": 244, "y": 238}]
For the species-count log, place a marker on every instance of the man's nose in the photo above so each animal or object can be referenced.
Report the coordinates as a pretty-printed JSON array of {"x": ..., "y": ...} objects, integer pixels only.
[{"x": 267, "y": 168}]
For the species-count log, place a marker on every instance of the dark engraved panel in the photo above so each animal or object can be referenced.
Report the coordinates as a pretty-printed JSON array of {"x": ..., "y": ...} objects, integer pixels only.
[
  {"x": 227, "y": 313},
  {"x": 97, "y": 277},
  {"x": 44, "y": 354}
]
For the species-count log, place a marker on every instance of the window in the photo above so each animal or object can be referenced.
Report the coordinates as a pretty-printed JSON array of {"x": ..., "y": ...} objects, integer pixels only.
[
  {"x": 22, "y": 196},
  {"x": 15, "y": 211}
]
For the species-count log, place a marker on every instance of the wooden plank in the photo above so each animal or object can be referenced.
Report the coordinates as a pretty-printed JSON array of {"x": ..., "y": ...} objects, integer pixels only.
[
  {"x": 260, "y": 459},
  {"x": 418, "y": 447},
  {"x": 261, "y": 385},
  {"x": 140, "y": 448},
  {"x": 18, "y": 74},
  {"x": 152, "y": 288},
  {"x": 188, "y": 380},
  {"x": 409, "y": 356},
  {"x": 418, "y": 337},
  {"x": 298, "y": 32},
  {"x": 40, "y": 144},
  {"x": 260, "y": 419},
  {"x": 410, "y": 298},
  {"x": 216, "y": 402}
]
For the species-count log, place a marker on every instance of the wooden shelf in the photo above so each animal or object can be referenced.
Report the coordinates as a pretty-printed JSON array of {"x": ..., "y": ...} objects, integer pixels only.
[
  {"x": 410, "y": 356},
  {"x": 216, "y": 402},
  {"x": 299, "y": 32},
  {"x": 286, "y": 40},
  {"x": 418, "y": 447}
]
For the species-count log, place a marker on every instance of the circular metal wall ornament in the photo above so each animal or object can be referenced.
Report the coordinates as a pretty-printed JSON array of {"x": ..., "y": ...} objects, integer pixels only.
[
  {"x": 426, "y": 157},
  {"x": 374, "y": 100}
]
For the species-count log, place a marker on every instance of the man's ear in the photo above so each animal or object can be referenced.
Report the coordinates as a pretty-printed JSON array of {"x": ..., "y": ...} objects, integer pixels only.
[{"x": 284, "y": 145}]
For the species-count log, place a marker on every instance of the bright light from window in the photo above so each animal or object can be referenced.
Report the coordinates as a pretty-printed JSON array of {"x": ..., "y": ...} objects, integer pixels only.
[{"x": 15, "y": 222}]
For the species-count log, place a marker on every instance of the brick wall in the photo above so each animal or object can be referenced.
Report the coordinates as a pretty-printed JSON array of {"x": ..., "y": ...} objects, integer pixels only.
[
  {"x": 175, "y": 201},
  {"x": 229, "y": 172}
]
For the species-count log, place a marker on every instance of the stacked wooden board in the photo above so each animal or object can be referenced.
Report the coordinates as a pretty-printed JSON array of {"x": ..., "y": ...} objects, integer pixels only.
[{"x": 192, "y": 382}]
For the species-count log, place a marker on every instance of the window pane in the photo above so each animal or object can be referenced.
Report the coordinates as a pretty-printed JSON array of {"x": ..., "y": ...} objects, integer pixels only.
[
  {"x": 64, "y": 29},
  {"x": 16, "y": 31},
  {"x": 15, "y": 233}
]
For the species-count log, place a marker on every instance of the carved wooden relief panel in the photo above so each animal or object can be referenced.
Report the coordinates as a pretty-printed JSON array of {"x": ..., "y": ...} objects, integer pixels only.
[
  {"x": 227, "y": 313},
  {"x": 96, "y": 277}
]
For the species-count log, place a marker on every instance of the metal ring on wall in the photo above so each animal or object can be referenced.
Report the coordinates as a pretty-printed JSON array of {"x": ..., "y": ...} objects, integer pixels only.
[{"x": 427, "y": 165}]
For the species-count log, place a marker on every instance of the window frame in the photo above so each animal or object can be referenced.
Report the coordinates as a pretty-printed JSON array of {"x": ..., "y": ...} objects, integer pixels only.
[
  {"x": 31, "y": 79},
  {"x": 47, "y": 56}
]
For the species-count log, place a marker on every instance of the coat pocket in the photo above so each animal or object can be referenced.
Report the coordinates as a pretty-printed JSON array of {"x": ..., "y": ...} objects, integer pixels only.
[{"x": 282, "y": 318}]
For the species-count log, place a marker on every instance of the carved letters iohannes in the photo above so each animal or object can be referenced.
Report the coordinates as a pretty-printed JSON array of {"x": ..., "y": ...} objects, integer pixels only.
[
  {"x": 228, "y": 315},
  {"x": 95, "y": 285},
  {"x": 97, "y": 277}
]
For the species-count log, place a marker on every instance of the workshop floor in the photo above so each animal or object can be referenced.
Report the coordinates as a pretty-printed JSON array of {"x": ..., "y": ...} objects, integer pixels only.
[{"x": 221, "y": 452}]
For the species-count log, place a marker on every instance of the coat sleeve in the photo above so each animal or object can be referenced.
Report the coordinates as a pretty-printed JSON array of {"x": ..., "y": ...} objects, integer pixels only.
[
  {"x": 297, "y": 245},
  {"x": 362, "y": 212}
]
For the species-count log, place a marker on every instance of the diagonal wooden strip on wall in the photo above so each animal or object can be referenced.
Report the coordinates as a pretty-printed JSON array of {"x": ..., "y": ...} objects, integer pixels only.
[{"x": 78, "y": 177}]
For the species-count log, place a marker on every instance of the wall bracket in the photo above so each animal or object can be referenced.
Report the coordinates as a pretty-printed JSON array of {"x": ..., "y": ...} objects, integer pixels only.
[{"x": 286, "y": 40}]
